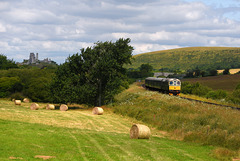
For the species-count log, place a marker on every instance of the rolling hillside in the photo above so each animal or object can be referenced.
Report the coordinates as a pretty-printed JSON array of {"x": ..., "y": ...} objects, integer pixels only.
[{"x": 190, "y": 58}]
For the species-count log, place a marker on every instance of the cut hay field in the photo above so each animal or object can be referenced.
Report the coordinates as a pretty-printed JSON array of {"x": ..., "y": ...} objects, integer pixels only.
[
  {"x": 231, "y": 71},
  {"x": 224, "y": 82},
  {"x": 77, "y": 134}
]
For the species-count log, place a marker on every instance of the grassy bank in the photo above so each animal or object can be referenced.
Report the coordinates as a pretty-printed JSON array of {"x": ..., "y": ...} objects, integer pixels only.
[
  {"x": 186, "y": 120},
  {"x": 80, "y": 135}
]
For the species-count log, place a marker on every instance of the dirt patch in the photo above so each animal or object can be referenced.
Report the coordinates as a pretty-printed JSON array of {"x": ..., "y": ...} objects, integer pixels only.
[{"x": 44, "y": 157}]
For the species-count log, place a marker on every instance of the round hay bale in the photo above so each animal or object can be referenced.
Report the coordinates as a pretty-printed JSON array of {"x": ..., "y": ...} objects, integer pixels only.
[
  {"x": 26, "y": 100},
  {"x": 34, "y": 106},
  {"x": 17, "y": 102},
  {"x": 50, "y": 107},
  {"x": 139, "y": 131},
  {"x": 97, "y": 111},
  {"x": 63, "y": 107}
]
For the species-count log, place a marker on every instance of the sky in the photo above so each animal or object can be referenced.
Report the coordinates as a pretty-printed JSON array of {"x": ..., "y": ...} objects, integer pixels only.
[{"x": 57, "y": 29}]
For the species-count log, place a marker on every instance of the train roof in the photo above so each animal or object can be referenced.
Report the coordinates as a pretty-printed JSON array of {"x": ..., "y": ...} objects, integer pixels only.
[{"x": 162, "y": 79}]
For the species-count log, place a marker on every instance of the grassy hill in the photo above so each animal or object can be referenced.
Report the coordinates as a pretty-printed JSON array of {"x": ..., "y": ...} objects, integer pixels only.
[
  {"x": 190, "y": 58},
  {"x": 80, "y": 135}
]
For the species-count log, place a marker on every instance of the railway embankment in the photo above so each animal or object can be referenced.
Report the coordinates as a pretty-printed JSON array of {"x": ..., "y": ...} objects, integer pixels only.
[{"x": 187, "y": 120}]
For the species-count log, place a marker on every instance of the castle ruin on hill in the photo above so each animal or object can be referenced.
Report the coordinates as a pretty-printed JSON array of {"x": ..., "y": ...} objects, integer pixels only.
[{"x": 33, "y": 59}]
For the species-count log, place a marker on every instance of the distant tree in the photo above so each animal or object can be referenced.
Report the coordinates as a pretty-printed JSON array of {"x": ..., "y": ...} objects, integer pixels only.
[
  {"x": 197, "y": 72},
  {"x": 146, "y": 70},
  {"x": 6, "y": 64},
  {"x": 203, "y": 73},
  {"x": 8, "y": 85},
  {"x": 213, "y": 72},
  {"x": 38, "y": 89},
  {"x": 95, "y": 75},
  {"x": 226, "y": 71}
]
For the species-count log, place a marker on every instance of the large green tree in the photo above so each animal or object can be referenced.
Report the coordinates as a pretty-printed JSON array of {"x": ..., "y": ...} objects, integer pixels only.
[{"x": 95, "y": 75}]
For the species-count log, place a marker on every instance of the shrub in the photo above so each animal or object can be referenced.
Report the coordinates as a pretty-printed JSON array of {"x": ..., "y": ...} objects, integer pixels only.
[
  {"x": 200, "y": 90},
  {"x": 196, "y": 89},
  {"x": 17, "y": 96},
  {"x": 219, "y": 94},
  {"x": 234, "y": 97},
  {"x": 186, "y": 88},
  {"x": 238, "y": 86}
]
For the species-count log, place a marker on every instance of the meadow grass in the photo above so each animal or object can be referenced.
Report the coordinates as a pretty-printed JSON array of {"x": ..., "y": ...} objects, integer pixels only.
[
  {"x": 185, "y": 120},
  {"x": 80, "y": 135}
]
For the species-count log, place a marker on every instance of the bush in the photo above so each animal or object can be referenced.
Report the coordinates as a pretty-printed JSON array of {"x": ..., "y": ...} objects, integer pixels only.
[
  {"x": 196, "y": 89},
  {"x": 219, "y": 94},
  {"x": 234, "y": 97},
  {"x": 186, "y": 88},
  {"x": 238, "y": 86},
  {"x": 17, "y": 96}
]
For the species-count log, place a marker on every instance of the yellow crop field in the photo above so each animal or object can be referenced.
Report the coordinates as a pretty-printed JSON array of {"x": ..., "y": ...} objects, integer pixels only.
[{"x": 232, "y": 71}]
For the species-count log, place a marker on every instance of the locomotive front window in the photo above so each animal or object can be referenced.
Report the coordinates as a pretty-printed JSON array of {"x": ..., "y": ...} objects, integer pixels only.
[
  {"x": 171, "y": 83},
  {"x": 178, "y": 83}
]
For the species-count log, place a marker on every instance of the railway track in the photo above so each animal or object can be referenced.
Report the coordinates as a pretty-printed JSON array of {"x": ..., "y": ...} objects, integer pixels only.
[{"x": 235, "y": 108}]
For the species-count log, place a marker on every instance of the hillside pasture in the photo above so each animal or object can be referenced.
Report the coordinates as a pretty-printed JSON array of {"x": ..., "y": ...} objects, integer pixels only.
[
  {"x": 79, "y": 135},
  {"x": 189, "y": 58},
  {"x": 224, "y": 82}
]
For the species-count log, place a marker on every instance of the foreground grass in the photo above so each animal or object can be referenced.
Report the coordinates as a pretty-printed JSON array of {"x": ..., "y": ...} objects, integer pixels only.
[
  {"x": 79, "y": 135},
  {"x": 186, "y": 120}
]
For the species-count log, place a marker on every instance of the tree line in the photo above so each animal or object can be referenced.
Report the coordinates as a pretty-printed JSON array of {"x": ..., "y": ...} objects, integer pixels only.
[
  {"x": 195, "y": 73},
  {"x": 92, "y": 76}
]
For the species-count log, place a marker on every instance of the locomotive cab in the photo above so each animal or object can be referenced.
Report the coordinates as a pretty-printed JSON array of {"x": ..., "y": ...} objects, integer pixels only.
[{"x": 174, "y": 87}]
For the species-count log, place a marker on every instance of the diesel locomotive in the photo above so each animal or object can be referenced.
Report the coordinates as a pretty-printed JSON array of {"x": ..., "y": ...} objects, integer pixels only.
[{"x": 172, "y": 86}]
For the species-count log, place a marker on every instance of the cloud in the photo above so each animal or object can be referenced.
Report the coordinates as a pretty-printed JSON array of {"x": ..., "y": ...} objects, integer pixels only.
[{"x": 63, "y": 27}]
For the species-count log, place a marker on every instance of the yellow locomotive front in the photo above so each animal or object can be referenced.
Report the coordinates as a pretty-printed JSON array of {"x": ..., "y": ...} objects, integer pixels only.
[{"x": 174, "y": 86}]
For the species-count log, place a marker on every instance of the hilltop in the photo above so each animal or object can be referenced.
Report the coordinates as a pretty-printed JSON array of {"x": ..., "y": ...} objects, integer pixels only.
[{"x": 190, "y": 58}]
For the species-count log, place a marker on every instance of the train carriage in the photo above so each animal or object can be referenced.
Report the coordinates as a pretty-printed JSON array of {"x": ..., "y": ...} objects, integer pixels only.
[{"x": 172, "y": 86}]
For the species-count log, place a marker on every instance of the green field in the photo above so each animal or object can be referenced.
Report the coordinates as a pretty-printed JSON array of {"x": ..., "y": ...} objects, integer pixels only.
[
  {"x": 190, "y": 58},
  {"x": 80, "y": 135},
  {"x": 224, "y": 82}
]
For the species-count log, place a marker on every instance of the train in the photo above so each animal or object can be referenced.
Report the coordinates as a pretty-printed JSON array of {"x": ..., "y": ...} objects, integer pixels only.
[{"x": 172, "y": 86}]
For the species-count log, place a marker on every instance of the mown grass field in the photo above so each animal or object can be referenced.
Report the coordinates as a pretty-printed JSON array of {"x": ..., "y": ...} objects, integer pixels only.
[
  {"x": 224, "y": 82},
  {"x": 80, "y": 135}
]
